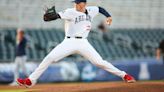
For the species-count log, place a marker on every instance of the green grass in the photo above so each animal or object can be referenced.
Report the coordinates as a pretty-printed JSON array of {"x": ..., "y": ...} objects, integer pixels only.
[{"x": 20, "y": 90}]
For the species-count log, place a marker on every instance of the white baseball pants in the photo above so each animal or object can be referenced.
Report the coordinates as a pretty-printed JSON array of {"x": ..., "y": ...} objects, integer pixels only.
[
  {"x": 71, "y": 46},
  {"x": 20, "y": 62}
]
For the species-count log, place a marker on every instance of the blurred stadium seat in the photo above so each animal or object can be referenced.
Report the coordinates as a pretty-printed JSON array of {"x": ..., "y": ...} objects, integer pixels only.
[{"x": 142, "y": 43}]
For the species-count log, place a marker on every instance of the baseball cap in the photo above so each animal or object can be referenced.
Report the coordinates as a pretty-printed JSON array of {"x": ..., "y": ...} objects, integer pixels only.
[{"x": 78, "y": 1}]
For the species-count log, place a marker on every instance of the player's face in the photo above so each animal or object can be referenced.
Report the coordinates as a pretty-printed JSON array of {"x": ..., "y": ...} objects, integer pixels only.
[
  {"x": 80, "y": 6},
  {"x": 20, "y": 34}
]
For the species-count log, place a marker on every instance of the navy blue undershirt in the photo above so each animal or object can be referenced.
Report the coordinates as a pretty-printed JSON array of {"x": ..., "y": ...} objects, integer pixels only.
[
  {"x": 21, "y": 48},
  {"x": 104, "y": 12}
]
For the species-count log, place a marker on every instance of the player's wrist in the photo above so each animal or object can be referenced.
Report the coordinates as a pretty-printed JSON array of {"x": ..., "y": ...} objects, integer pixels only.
[{"x": 109, "y": 20}]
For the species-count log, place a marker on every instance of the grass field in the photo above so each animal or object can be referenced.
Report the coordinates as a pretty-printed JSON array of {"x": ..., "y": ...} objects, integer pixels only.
[{"x": 152, "y": 86}]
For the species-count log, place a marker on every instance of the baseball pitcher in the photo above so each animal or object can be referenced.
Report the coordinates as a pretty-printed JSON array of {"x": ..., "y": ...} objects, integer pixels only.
[{"x": 77, "y": 27}]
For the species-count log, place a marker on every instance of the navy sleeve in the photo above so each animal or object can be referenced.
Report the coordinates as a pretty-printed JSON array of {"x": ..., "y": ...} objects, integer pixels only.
[{"x": 104, "y": 12}]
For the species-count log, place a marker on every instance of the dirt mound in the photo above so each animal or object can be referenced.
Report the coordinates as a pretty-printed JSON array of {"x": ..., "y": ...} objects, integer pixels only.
[{"x": 91, "y": 87}]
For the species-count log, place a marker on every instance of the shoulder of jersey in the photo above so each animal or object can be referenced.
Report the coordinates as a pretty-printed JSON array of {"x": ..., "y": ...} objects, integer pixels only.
[
  {"x": 91, "y": 7},
  {"x": 70, "y": 9}
]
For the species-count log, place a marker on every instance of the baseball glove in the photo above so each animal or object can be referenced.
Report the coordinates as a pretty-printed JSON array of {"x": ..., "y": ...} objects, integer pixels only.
[
  {"x": 51, "y": 10},
  {"x": 50, "y": 14}
]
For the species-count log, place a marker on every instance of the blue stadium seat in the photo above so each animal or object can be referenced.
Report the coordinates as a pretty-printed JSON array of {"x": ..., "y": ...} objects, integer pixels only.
[{"x": 107, "y": 50}]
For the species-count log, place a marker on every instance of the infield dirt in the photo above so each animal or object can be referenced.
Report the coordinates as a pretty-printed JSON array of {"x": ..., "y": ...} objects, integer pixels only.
[{"x": 90, "y": 87}]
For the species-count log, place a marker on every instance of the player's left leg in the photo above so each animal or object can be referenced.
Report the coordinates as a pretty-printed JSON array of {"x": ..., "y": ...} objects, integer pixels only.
[{"x": 91, "y": 54}]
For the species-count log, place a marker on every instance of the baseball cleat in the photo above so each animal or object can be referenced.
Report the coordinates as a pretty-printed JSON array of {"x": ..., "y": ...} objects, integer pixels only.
[
  {"x": 20, "y": 81},
  {"x": 26, "y": 82},
  {"x": 129, "y": 79}
]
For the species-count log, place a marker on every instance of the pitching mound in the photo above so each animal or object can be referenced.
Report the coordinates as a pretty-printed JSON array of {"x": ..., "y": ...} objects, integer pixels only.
[{"x": 90, "y": 87}]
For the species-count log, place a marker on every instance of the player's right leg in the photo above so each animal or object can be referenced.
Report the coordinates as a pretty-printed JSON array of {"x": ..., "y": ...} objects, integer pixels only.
[{"x": 62, "y": 50}]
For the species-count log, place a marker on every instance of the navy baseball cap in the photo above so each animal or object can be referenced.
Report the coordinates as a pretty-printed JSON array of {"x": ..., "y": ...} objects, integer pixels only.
[{"x": 79, "y": 1}]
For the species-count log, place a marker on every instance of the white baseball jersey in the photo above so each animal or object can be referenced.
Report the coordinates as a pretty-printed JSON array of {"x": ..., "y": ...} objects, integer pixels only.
[{"x": 78, "y": 23}]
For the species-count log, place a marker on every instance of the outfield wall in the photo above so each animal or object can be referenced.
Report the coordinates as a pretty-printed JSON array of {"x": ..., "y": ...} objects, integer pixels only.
[{"x": 84, "y": 71}]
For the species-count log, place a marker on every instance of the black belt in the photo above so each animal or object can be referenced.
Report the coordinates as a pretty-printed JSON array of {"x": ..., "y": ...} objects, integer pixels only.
[{"x": 75, "y": 37}]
